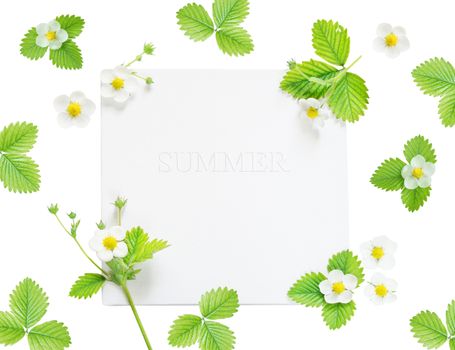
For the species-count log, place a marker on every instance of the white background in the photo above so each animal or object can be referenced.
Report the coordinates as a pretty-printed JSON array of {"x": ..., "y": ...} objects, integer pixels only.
[{"x": 32, "y": 244}]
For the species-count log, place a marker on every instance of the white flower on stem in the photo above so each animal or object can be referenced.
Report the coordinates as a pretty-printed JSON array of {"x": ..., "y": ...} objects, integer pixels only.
[
  {"x": 315, "y": 110},
  {"x": 381, "y": 290},
  {"x": 338, "y": 287},
  {"x": 74, "y": 110},
  {"x": 118, "y": 84},
  {"x": 108, "y": 243},
  {"x": 391, "y": 40},
  {"x": 418, "y": 173},
  {"x": 379, "y": 252},
  {"x": 50, "y": 35}
]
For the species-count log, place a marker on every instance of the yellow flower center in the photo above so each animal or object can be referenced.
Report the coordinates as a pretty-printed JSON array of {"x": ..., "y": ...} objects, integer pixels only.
[
  {"x": 110, "y": 243},
  {"x": 51, "y": 36},
  {"x": 391, "y": 40},
  {"x": 417, "y": 173},
  {"x": 312, "y": 112},
  {"x": 74, "y": 109},
  {"x": 118, "y": 83},
  {"x": 338, "y": 287},
  {"x": 381, "y": 290},
  {"x": 377, "y": 252}
]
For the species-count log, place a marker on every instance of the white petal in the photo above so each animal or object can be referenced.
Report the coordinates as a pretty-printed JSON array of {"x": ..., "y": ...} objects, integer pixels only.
[
  {"x": 403, "y": 43},
  {"x": 335, "y": 276},
  {"x": 384, "y": 29},
  {"x": 105, "y": 255},
  {"x": 118, "y": 232},
  {"x": 107, "y": 76},
  {"x": 377, "y": 299},
  {"x": 391, "y": 285},
  {"x": 64, "y": 120},
  {"x": 61, "y": 103},
  {"x": 42, "y": 28},
  {"x": 131, "y": 84},
  {"x": 122, "y": 72},
  {"x": 390, "y": 298},
  {"x": 350, "y": 282},
  {"x": 55, "y": 44},
  {"x": 107, "y": 91},
  {"x": 369, "y": 262},
  {"x": 410, "y": 183},
  {"x": 96, "y": 243},
  {"x": 88, "y": 107},
  {"x": 379, "y": 44},
  {"x": 331, "y": 298},
  {"x": 62, "y": 35},
  {"x": 387, "y": 262},
  {"x": 312, "y": 102},
  {"x": 42, "y": 41},
  {"x": 121, "y": 251},
  {"x": 345, "y": 297},
  {"x": 392, "y": 52},
  {"x": 384, "y": 242},
  {"x": 424, "y": 181},
  {"x": 428, "y": 168},
  {"x": 54, "y": 26},
  {"x": 418, "y": 161},
  {"x": 121, "y": 96},
  {"x": 378, "y": 278},
  {"x": 82, "y": 121},
  {"x": 77, "y": 96},
  {"x": 325, "y": 287},
  {"x": 399, "y": 31},
  {"x": 369, "y": 290},
  {"x": 406, "y": 171}
]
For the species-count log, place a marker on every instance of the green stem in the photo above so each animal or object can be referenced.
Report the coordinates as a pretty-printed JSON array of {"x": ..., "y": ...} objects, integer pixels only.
[
  {"x": 138, "y": 58},
  {"x": 353, "y": 63},
  {"x": 119, "y": 216},
  {"x": 80, "y": 246},
  {"x": 138, "y": 76},
  {"x": 136, "y": 316}
]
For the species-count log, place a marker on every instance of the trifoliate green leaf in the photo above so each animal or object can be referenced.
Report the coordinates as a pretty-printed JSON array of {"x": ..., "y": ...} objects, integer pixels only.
[
  {"x": 435, "y": 76},
  {"x": 140, "y": 248},
  {"x": 447, "y": 108},
  {"x": 219, "y": 304},
  {"x": 11, "y": 330},
  {"x": 216, "y": 336},
  {"x": 234, "y": 41},
  {"x": 331, "y": 42},
  {"x": 347, "y": 262},
  {"x": 87, "y": 285},
  {"x": 337, "y": 315},
  {"x": 229, "y": 13},
  {"x": 297, "y": 81},
  {"x": 28, "y": 303},
  {"x": 72, "y": 24},
  {"x": 68, "y": 56},
  {"x": 450, "y": 318},
  {"x": 19, "y": 173},
  {"x": 419, "y": 146},
  {"x": 306, "y": 290},
  {"x": 185, "y": 331},
  {"x": 195, "y": 22},
  {"x": 49, "y": 336},
  {"x": 29, "y": 48},
  {"x": 348, "y": 99},
  {"x": 18, "y": 138},
  {"x": 429, "y": 329},
  {"x": 388, "y": 175},
  {"x": 414, "y": 199}
]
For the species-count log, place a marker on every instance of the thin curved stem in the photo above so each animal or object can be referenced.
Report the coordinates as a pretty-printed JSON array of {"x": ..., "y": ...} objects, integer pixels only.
[{"x": 136, "y": 316}]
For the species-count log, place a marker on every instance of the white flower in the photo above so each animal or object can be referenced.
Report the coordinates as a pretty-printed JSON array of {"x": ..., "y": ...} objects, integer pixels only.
[
  {"x": 338, "y": 287},
  {"x": 51, "y": 35},
  {"x": 118, "y": 84},
  {"x": 418, "y": 173},
  {"x": 391, "y": 40},
  {"x": 316, "y": 110},
  {"x": 379, "y": 252},
  {"x": 109, "y": 243},
  {"x": 75, "y": 109},
  {"x": 381, "y": 289}
]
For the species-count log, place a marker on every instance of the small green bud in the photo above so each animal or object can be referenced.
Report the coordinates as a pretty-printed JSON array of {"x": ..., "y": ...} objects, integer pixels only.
[
  {"x": 139, "y": 58},
  {"x": 149, "y": 80},
  {"x": 120, "y": 202},
  {"x": 101, "y": 225},
  {"x": 72, "y": 215},
  {"x": 149, "y": 49},
  {"x": 74, "y": 227},
  {"x": 292, "y": 64},
  {"x": 53, "y": 209}
]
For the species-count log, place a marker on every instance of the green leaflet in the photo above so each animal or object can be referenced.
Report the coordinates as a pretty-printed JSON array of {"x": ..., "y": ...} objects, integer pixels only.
[
  {"x": 452, "y": 344},
  {"x": 28, "y": 304},
  {"x": 68, "y": 56},
  {"x": 331, "y": 42},
  {"x": 18, "y": 138},
  {"x": 347, "y": 262},
  {"x": 140, "y": 248},
  {"x": 87, "y": 285},
  {"x": 388, "y": 175},
  {"x": 306, "y": 290},
  {"x": 450, "y": 318},
  {"x": 232, "y": 40},
  {"x": 429, "y": 330},
  {"x": 337, "y": 315},
  {"x": 346, "y": 92},
  {"x": 436, "y": 77},
  {"x": 413, "y": 200},
  {"x": 216, "y": 304},
  {"x": 419, "y": 145}
]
